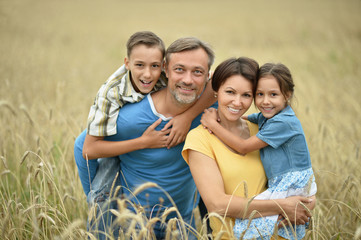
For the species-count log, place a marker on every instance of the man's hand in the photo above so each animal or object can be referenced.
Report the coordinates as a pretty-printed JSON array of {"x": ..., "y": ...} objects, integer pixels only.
[{"x": 180, "y": 127}]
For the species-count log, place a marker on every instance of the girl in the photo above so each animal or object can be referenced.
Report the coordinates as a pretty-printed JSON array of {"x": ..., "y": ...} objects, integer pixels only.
[{"x": 283, "y": 149}]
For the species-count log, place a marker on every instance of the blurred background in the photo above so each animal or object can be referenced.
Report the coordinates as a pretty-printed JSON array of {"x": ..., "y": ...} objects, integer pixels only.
[{"x": 54, "y": 56}]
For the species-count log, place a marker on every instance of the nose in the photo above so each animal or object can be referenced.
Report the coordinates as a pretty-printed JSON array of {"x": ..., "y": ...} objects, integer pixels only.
[
  {"x": 237, "y": 102},
  {"x": 265, "y": 99},
  {"x": 187, "y": 79},
  {"x": 147, "y": 73}
]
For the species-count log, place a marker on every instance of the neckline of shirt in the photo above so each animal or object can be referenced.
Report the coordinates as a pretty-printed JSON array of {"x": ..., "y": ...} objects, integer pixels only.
[{"x": 151, "y": 103}]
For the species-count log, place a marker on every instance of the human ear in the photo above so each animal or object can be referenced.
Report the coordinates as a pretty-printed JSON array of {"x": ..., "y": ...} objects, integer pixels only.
[
  {"x": 165, "y": 67},
  {"x": 288, "y": 97},
  {"x": 126, "y": 63}
]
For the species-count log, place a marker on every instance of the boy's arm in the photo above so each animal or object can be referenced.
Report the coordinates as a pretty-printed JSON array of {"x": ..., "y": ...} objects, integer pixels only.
[
  {"x": 104, "y": 111},
  {"x": 240, "y": 145},
  {"x": 182, "y": 122},
  {"x": 96, "y": 147}
]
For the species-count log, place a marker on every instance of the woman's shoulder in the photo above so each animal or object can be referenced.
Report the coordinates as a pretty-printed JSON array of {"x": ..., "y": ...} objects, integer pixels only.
[
  {"x": 198, "y": 131},
  {"x": 253, "y": 128}
]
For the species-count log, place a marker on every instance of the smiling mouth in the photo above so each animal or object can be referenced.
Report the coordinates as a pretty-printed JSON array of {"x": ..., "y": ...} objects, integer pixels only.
[
  {"x": 185, "y": 89},
  {"x": 268, "y": 109},
  {"x": 233, "y": 110},
  {"x": 145, "y": 82}
]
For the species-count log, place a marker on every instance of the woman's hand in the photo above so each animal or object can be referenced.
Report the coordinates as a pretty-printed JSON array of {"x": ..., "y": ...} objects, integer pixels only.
[{"x": 296, "y": 209}]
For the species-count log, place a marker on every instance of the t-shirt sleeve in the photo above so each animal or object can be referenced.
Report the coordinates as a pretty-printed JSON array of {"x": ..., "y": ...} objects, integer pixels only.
[
  {"x": 197, "y": 140},
  {"x": 253, "y": 117},
  {"x": 276, "y": 132}
]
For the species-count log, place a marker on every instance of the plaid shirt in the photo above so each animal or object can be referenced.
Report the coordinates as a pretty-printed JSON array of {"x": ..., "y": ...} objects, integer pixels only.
[{"x": 112, "y": 95}]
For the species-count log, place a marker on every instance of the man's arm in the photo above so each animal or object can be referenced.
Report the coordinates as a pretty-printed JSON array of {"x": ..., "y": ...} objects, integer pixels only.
[{"x": 182, "y": 122}]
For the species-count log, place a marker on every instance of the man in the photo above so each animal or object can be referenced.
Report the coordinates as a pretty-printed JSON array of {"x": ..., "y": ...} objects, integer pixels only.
[{"x": 187, "y": 64}]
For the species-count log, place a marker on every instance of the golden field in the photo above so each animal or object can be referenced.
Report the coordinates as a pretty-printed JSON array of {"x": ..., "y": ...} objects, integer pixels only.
[{"x": 54, "y": 55}]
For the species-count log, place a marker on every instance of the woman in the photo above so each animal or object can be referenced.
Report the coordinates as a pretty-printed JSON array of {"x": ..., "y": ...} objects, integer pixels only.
[{"x": 225, "y": 179}]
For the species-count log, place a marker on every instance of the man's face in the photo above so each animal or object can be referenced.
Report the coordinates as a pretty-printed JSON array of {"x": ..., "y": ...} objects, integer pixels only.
[
  {"x": 145, "y": 66},
  {"x": 187, "y": 74}
]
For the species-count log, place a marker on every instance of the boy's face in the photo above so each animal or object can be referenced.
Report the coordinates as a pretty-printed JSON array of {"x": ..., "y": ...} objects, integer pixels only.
[{"x": 145, "y": 66}]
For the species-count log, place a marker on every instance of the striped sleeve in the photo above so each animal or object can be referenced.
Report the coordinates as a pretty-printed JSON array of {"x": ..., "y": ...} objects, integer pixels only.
[{"x": 104, "y": 112}]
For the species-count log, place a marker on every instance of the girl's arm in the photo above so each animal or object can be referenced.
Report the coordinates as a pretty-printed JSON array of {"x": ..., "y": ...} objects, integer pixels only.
[
  {"x": 210, "y": 185},
  {"x": 97, "y": 147},
  {"x": 240, "y": 145},
  {"x": 182, "y": 123}
]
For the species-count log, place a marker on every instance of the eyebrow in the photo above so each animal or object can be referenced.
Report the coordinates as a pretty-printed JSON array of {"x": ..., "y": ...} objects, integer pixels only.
[
  {"x": 229, "y": 87},
  {"x": 183, "y": 66},
  {"x": 179, "y": 65},
  {"x": 140, "y": 61}
]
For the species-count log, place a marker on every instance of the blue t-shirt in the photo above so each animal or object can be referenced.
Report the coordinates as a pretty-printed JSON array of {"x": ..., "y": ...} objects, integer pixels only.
[{"x": 287, "y": 150}]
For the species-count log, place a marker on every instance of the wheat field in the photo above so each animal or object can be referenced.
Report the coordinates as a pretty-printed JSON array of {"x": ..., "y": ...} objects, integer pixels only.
[{"x": 54, "y": 55}]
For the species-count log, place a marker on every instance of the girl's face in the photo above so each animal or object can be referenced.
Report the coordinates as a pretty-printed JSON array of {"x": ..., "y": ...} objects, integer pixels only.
[
  {"x": 234, "y": 98},
  {"x": 269, "y": 98}
]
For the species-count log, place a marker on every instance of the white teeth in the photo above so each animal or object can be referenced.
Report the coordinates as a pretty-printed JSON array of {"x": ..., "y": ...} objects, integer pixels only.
[
  {"x": 233, "y": 110},
  {"x": 145, "y": 82},
  {"x": 187, "y": 89}
]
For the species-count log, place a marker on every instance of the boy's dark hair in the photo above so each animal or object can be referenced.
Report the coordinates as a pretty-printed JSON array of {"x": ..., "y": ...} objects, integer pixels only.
[
  {"x": 187, "y": 44},
  {"x": 147, "y": 38},
  {"x": 246, "y": 67}
]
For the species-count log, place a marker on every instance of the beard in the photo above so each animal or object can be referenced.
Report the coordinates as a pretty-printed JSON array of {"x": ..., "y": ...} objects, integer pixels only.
[{"x": 184, "y": 99}]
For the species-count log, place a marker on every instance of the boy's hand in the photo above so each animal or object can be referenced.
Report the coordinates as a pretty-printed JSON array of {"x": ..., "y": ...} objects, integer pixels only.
[
  {"x": 180, "y": 128},
  {"x": 153, "y": 138},
  {"x": 210, "y": 118}
]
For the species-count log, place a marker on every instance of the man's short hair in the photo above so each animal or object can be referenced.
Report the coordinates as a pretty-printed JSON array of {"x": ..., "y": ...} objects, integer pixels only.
[
  {"x": 147, "y": 38},
  {"x": 187, "y": 44}
]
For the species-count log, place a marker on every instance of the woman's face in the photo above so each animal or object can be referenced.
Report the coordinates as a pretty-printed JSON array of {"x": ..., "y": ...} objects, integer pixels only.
[{"x": 234, "y": 98}]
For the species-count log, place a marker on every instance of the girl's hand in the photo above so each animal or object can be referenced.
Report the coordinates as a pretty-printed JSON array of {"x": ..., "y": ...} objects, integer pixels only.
[
  {"x": 210, "y": 118},
  {"x": 153, "y": 138},
  {"x": 180, "y": 128}
]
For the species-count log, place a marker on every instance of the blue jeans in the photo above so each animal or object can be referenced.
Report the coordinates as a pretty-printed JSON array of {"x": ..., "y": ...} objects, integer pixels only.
[{"x": 102, "y": 197}]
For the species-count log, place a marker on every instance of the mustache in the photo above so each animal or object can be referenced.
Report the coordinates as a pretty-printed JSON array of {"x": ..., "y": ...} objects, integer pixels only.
[{"x": 183, "y": 84}]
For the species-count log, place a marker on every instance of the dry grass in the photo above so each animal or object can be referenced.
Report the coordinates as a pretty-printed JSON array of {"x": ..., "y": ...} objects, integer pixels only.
[{"x": 55, "y": 54}]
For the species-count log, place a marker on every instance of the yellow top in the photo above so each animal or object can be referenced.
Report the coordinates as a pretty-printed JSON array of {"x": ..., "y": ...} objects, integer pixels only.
[{"x": 236, "y": 170}]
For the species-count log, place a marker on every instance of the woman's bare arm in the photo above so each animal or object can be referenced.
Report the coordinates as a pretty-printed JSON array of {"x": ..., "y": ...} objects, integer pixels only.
[{"x": 209, "y": 182}]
